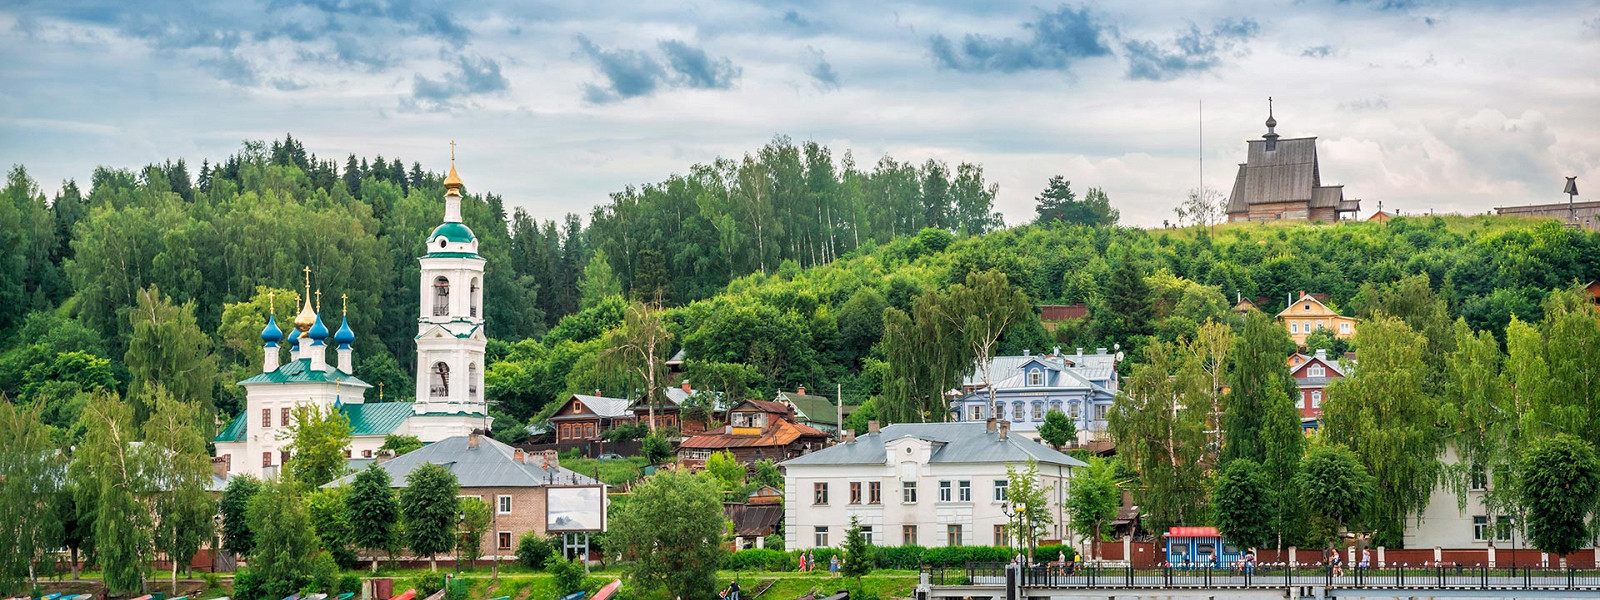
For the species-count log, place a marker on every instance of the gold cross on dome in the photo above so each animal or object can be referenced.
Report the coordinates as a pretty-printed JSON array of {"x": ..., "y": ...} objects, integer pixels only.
[
  {"x": 452, "y": 151},
  {"x": 308, "y": 279},
  {"x": 271, "y": 307},
  {"x": 344, "y": 301},
  {"x": 319, "y": 300}
]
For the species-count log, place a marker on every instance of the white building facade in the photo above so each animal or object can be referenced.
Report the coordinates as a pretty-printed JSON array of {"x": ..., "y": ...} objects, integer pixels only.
[
  {"x": 925, "y": 484},
  {"x": 1450, "y": 524}
]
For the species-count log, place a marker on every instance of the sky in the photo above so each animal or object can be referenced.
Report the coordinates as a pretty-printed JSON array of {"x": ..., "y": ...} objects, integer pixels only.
[{"x": 1426, "y": 105}]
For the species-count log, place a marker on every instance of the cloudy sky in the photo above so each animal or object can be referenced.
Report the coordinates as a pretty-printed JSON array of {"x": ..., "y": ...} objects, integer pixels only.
[{"x": 1425, "y": 104}]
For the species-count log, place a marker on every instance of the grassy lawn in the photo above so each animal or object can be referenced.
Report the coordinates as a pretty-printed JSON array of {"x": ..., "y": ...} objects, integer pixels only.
[{"x": 612, "y": 472}]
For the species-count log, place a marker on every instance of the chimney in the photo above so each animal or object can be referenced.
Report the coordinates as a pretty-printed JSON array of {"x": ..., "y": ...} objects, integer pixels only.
[
  {"x": 1056, "y": 351},
  {"x": 472, "y": 439},
  {"x": 990, "y": 427},
  {"x": 1026, "y": 352},
  {"x": 221, "y": 465},
  {"x": 1005, "y": 430},
  {"x": 847, "y": 435},
  {"x": 1322, "y": 354},
  {"x": 551, "y": 459},
  {"x": 800, "y": 390},
  {"x": 872, "y": 426},
  {"x": 686, "y": 388},
  {"x": 520, "y": 456},
  {"x": 1080, "y": 351},
  {"x": 1302, "y": 293},
  {"x": 1099, "y": 350},
  {"x": 385, "y": 456},
  {"x": 597, "y": 392}
]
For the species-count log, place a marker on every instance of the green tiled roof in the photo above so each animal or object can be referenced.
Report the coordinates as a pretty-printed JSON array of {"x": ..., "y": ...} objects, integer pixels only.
[
  {"x": 234, "y": 432},
  {"x": 452, "y": 255},
  {"x": 455, "y": 232},
  {"x": 377, "y": 419},
  {"x": 459, "y": 335},
  {"x": 816, "y": 409},
  {"x": 300, "y": 371}
]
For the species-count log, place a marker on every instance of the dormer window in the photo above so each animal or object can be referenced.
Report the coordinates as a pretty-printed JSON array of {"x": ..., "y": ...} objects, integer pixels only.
[
  {"x": 1035, "y": 377},
  {"x": 1316, "y": 371}
]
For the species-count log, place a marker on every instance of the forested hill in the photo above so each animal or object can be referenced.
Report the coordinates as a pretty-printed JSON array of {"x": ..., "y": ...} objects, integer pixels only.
[{"x": 778, "y": 268}]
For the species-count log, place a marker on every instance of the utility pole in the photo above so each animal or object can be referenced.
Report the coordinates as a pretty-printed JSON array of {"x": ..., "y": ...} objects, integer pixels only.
[{"x": 838, "y": 396}]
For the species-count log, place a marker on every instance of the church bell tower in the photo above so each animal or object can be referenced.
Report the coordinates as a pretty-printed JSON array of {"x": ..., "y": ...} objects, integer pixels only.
[{"x": 450, "y": 337}]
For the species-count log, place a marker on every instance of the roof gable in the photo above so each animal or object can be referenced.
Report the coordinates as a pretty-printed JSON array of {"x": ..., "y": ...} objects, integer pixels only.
[
  {"x": 811, "y": 408},
  {"x": 487, "y": 464},
  {"x": 300, "y": 371},
  {"x": 1298, "y": 308},
  {"x": 579, "y": 405},
  {"x": 967, "y": 442}
]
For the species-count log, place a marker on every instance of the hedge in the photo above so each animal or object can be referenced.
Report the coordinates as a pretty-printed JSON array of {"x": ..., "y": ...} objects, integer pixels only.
[{"x": 889, "y": 557}]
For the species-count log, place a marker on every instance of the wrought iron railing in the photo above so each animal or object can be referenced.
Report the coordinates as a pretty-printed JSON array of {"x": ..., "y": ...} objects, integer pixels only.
[{"x": 1283, "y": 575}]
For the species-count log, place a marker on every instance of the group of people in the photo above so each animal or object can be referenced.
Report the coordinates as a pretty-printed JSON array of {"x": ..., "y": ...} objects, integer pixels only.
[
  {"x": 809, "y": 563},
  {"x": 1334, "y": 560}
]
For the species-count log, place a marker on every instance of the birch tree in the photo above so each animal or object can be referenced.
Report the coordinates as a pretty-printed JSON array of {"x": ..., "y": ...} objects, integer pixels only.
[
  {"x": 640, "y": 349},
  {"x": 180, "y": 504}
]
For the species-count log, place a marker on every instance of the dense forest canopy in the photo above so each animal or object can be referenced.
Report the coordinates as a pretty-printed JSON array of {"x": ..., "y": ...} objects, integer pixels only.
[{"x": 776, "y": 269}]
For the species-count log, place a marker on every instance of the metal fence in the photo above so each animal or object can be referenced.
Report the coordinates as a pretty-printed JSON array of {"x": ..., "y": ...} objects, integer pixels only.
[{"x": 1278, "y": 576}]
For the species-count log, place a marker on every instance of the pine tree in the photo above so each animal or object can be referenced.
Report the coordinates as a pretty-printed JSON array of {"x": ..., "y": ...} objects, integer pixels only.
[{"x": 857, "y": 553}]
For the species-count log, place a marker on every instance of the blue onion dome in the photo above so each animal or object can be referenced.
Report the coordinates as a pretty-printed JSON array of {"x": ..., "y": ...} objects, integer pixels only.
[
  {"x": 344, "y": 336},
  {"x": 318, "y": 331},
  {"x": 271, "y": 334},
  {"x": 294, "y": 335}
]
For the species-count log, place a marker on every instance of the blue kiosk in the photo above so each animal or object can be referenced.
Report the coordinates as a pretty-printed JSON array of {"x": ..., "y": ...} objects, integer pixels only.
[{"x": 1200, "y": 547}]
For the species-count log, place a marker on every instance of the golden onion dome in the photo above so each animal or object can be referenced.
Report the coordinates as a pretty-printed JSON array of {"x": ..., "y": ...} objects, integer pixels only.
[
  {"x": 306, "y": 318},
  {"x": 453, "y": 181}
]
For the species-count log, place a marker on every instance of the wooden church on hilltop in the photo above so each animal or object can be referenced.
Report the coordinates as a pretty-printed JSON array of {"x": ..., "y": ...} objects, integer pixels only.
[{"x": 1280, "y": 179}]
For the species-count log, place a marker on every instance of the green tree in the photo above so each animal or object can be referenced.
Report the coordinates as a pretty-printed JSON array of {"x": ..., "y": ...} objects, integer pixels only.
[
  {"x": 372, "y": 512},
  {"x": 1092, "y": 501},
  {"x": 1025, "y": 491},
  {"x": 30, "y": 478},
  {"x": 236, "y": 535},
  {"x": 980, "y": 311},
  {"x": 1383, "y": 414},
  {"x": 1058, "y": 203},
  {"x": 1560, "y": 485},
  {"x": 474, "y": 524},
  {"x": 284, "y": 541},
  {"x": 655, "y": 449},
  {"x": 598, "y": 281},
  {"x": 110, "y": 461},
  {"x": 857, "y": 553},
  {"x": 1058, "y": 429},
  {"x": 428, "y": 511},
  {"x": 1127, "y": 300},
  {"x": 1333, "y": 484},
  {"x": 728, "y": 471},
  {"x": 1243, "y": 503},
  {"x": 1158, "y": 423},
  {"x": 567, "y": 574},
  {"x": 671, "y": 530},
  {"x": 400, "y": 443},
  {"x": 181, "y": 505},
  {"x": 317, "y": 440},
  {"x": 1260, "y": 418},
  {"x": 168, "y": 348},
  {"x": 325, "y": 511},
  {"x": 639, "y": 348},
  {"x": 534, "y": 550}
]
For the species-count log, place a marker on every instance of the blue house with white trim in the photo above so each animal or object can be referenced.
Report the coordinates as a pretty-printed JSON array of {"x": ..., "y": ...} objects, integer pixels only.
[{"x": 1081, "y": 386}]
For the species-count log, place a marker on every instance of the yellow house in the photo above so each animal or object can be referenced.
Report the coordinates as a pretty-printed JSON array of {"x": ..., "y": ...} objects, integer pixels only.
[{"x": 1308, "y": 314}]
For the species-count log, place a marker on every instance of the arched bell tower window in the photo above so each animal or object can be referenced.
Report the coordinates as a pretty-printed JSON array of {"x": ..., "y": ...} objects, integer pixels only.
[
  {"x": 440, "y": 386},
  {"x": 475, "y": 293},
  {"x": 472, "y": 381},
  {"x": 441, "y": 297}
]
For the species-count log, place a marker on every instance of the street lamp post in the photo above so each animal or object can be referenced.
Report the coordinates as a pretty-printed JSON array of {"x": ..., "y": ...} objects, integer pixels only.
[{"x": 1018, "y": 513}]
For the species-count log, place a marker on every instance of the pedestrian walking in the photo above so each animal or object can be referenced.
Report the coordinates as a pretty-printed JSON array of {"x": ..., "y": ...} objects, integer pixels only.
[
  {"x": 733, "y": 590},
  {"x": 1366, "y": 559},
  {"x": 802, "y": 562},
  {"x": 833, "y": 565}
]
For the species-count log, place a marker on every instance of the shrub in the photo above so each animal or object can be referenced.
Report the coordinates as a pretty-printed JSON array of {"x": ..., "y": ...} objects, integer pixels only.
[
  {"x": 900, "y": 557},
  {"x": 761, "y": 560},
  {"x": 533, "y": 550},
  {"x": 324, "y": 573},
  {"x": 567, "y": 574},
  {"x": 212, "y": 579},
  {"x": 349, "y": 584},
  {"x": 457, "y": 590},
  {"x": 247, "y": 585},
  {"x": 1049, "y": 553},
  {"x": 426, "y": 584}
]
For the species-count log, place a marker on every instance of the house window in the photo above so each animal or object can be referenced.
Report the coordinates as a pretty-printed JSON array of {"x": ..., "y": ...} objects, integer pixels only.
[
  {"x": 366, "y": 454},
  {"x": 441, "y": 297},
  {"x": 283, "y": 416},
  {"x": 874, "y": 492},
  {"x": 1479, "y": 479},
  {"x": 944, "y": 491},
  {"x": 1294, "y": 327},
  {"x": 266, "y": 459},
  {"x": 1316, "y": 399},
  {"x": 1306, "y": 307},
  {"x": 472, "y": 381},
  {"x": 1016, "y": 411},
  {"x": 866, "y": 533},
  {"x": 283, "y": 457},
  {"x": 1316, "y": 371},
  {"x": 1035, "y": 378},
  {"x": 1502, "y": 529},
  {"x": 1321, "y": 324},
  {"x": 1480, "y": 528},
  {"x": 819, "y": 495},
  {"x": 975, "y": 413},
  {"x": 1344, "y": 328},
  {"x": 1000, "y": 488},
  {"x": 440, "y": 387},
  {"x": 347, "y": 453},
  {"x": 505, "y": 504},
  {"x": 1038, "y": 411},
  {"x": 855, "y": 492},
  {"x": 952, "y": 535},
  {"x": 266, "y": 418},
  {"x": 821, "y": 539},
  {"x": 1055, "y": 406},
  {"x": 908, "y": 535},
  {"x": 908, "y": 492},
  {"x": 964, "y": 491},
  {"x": 503, "y": 540},
  {"x": 472, "y": 296},
  {"x": 1072, "y": 410},
  {"x": 1100, "y": 411},
  {"x": 999, "y": 535}
]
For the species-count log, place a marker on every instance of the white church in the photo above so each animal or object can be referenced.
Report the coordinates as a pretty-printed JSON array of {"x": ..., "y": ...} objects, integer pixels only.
[{"x": 450, "y": 349}]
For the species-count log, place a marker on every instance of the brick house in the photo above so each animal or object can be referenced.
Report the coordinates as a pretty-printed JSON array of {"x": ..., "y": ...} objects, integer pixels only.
[
  {"x": 517, "y": 485},
  {"x": 756, "y": 430}
]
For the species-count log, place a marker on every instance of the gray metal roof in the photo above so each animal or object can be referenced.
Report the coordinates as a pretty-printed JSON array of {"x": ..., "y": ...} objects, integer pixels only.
[
  {"x": 1084, "y": 370},
  {"x": 490, "y": 464},
  {"x": 605, "y": 407},
  {"x": 969, "y": 442}
]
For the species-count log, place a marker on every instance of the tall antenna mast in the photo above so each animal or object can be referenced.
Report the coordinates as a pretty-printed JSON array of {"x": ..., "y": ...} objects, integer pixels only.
[{"x": 1201, "y": 190}]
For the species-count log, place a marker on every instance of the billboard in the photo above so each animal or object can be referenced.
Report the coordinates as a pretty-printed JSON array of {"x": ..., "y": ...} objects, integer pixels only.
[{"x": 574, "y": 509}]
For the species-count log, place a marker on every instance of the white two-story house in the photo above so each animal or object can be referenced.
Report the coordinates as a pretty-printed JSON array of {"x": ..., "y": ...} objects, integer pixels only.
[{"x": 925, "y": 484}]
